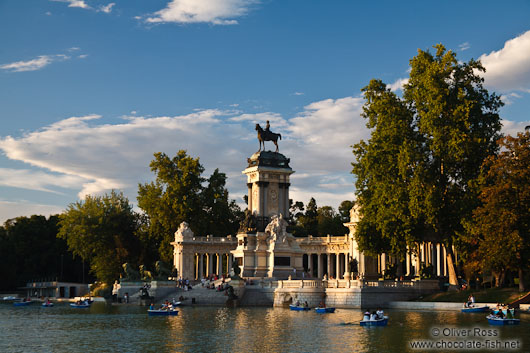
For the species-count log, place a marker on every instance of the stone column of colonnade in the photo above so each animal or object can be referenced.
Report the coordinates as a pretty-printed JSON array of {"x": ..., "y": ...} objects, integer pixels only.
[
  {"x": 214, "y": 264},
  {"x": 434, "y": 254}
]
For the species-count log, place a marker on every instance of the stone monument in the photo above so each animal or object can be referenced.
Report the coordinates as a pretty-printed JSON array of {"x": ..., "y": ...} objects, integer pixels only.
[{"x": 265, "y": 249}]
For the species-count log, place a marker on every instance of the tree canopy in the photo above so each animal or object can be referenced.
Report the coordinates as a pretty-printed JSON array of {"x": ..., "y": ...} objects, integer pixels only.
[
  {"x": 414, "y": 174},
  {"x": 178, "y": 195},
  {"x": 500, "y": 228},
  {"x": 102, "y": 231}
]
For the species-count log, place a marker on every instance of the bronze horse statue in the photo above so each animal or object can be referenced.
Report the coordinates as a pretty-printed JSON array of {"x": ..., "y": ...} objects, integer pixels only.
[{"x": 264, "y": 135}]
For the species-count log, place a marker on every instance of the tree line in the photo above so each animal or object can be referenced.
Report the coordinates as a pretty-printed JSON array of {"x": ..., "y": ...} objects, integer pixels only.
[
  {"x": 436, "y": 169},
  {"x": 95, "y": 236}
]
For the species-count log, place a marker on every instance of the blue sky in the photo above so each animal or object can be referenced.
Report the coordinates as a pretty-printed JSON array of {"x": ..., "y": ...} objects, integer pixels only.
[{"x": 90, "y": 89}]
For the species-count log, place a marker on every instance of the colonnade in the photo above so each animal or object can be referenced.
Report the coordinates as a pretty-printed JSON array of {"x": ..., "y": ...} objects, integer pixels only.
[
  {"x": 329, "y": 264},
  {"x": 207, "y": 264}
]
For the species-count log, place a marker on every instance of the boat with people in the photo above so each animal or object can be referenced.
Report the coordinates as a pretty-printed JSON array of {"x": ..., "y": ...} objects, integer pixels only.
[
  {"x": 47, "y": 305},
  {"x": 324, "y": 310},
  {"x": 162, "y": 312},
  {"x": 476, "y": 309},
  {"x": 24, "y": 302},
  {"x": 81, "y": 304},
  {"x": 299, "y": 308},
  {"x": 376, "y": 318},
  {"x": 501, "y": 321}
]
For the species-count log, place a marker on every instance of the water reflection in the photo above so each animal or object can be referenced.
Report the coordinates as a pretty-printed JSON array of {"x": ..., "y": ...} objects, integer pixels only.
[{"x": 129, "y": 329}]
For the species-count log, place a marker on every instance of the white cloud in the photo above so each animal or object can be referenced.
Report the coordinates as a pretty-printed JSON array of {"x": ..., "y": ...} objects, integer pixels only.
[
  {"x": 37, "y": 180},
  {"x": 75, "y": 3},
  {"x": 398, "y": 84},
  {"x": 508, "y": 69},
  {"x": 298, "y": 93},
  {"x": 107, "y": 8},
  {"x": 19, "y": 208},
  {"x": 513, "y": 127},
  {"x": 30, "y": 65},
  {"x": 82, "y": 154},
  {"x": 218, "y": 12},
  {"x": 35, "y": 64},
  {"x": 464, "y": 46}
]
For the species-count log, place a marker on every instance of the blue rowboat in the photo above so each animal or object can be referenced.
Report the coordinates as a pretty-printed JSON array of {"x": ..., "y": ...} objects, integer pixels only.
[
  {"x": 324, "y": 310},
  {"x": 379, "y": 322},
  {"x": 497, "y": 321},
  {"x": 299, "y": 308},
  {"x": 162, "y": 312},
  {"x": 22, "y": 303},
  {"x": 80, "y": 306},
  {"x": 47, "y": 304},
  {"x": 477, "y": 309}
]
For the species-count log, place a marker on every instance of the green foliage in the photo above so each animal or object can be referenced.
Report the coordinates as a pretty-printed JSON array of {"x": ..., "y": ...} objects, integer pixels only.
[
  {"x": 178, "y": 195},
  {"x": 102, "y": 231},
  {"x": 30, "y": 250},
  {"x": 316, "y": 221},
  {"x": 344, "y": 210},
  {"x": 425, "y": 151},
  {"x": 500, "y": 228}
]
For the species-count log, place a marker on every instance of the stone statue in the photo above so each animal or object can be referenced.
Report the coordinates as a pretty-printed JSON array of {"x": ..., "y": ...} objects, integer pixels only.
[
  {"x": 264, "y": 135},
  {"x": 236, "y": 270},
  {"x": 277, "y": 229},
  {"x": 184, "y": 231},
  {"x": 248, "y": 224},
  {"x": 354, "y": 214},
  {"x": 162, "y": 271},
  {"x": 130, "y": 273},
  {"x": 145, "y": 275}
]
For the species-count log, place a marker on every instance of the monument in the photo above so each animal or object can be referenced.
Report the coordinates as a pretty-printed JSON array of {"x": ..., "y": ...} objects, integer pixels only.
[{"x": 264, "y": 247}]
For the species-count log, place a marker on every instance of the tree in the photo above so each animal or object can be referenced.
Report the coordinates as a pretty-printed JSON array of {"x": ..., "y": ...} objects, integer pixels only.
[
  {"x": 178, "y": 195},
  {"x": 329, "y": 222},
  {"x": 449, "y": 124},
  {"x": 174, "y": 197},
  {"x": 309, "y": 221},
  {"x": 502, "y": 221},
  {"x": 102, "y": 231},
  {"x": 344, "y": 210}
]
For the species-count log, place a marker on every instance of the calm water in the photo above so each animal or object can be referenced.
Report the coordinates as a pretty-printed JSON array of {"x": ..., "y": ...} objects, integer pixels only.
[{"x": 104, "y": 328}]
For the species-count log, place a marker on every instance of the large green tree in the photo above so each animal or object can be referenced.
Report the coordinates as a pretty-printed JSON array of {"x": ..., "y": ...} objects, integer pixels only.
[
  {"x": 502, "y": 222},
  {"x": 178, "y": 195},
  {"x": 449, "y": 124},
  {"x": 102, "y": 231}
]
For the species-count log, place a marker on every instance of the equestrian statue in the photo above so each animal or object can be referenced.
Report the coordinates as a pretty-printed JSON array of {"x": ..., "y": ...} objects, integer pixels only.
[{"x": 267, "y": 135}]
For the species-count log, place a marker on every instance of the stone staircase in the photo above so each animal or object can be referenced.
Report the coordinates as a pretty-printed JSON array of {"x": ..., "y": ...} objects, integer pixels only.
[{"x": 198, "y": 295}]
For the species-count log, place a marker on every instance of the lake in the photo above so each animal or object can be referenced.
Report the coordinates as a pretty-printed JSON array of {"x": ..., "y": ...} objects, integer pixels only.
[{"x": 128, "y": 328}]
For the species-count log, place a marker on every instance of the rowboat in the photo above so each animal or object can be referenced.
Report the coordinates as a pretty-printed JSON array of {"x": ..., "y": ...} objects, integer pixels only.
[
  {"x": 494, "y": 320},
  {"x": 377, "y": 322},
  {"x": 476, "y": 309},
  {"x": 47, "y": 304},
  {"x": 324, "y": 310},
  {"x": 299, "y": 308},
  {"x": 162, "y": 312},
  {"x": 83, "y": 305},
  {"x": 26, "y": 303}
]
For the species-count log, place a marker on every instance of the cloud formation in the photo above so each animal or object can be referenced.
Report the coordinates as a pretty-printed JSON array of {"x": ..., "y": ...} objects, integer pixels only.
[
  {"x": 508, "y": 69},
  {"x": 38, "y": 63},
  {"x": 217, "y": 12},
  {"x": 83, "y": 5}
]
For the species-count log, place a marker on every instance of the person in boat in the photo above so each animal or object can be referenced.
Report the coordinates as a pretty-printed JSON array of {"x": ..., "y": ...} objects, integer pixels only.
[
  {"x": 297, "y": 303},
  {"x": 152, "y": 306},
  {"x": 500, "y": 314},
  {"x": 509, "y": 314},
  {"x": 471, "y": 301},
  {"x": 321, "y": 304},
  {"x": 366, "y": 316},
  {"x": 306, "y": 305},
  {"x": 373, "y": 316},
  {"x": 379, "y": 314}
]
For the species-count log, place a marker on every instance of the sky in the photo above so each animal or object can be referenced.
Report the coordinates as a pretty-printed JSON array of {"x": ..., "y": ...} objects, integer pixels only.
[{"x": 91, "y": 89}]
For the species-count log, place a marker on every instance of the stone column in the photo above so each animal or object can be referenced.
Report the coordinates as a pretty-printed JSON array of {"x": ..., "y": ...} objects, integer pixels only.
[
  {"x": 445, "y": 262},
  {"x": 407, "y": 264},
  {"x": 229, "y": 263},
  {"x": 219, "y": 265},
  {"x": 249, "y": 186},
  {"x": 201, "y": 266},
  {"x": 337, "y": 265},
  {"x": 286, "y": 199},
  {"x": 196, "y": 267},
  {"x": 383, "y": 264},
  {"x": 320, "y": 266},
  {"x": 328, "y": 265},
  {"x": 310, "y": 264},
  {"x": 438, "y": 260},
  {"x": 208, "y": 264}
]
